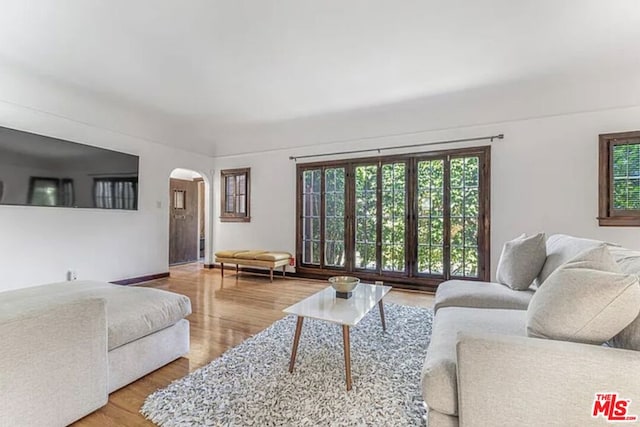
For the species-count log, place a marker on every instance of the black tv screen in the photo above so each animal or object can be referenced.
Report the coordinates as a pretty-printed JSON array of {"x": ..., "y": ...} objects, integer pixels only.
[{"x": 37, "y": 170}]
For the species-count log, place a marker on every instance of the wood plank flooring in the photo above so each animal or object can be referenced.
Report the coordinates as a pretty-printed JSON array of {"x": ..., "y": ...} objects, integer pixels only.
[{"x": 225, "y": 312}]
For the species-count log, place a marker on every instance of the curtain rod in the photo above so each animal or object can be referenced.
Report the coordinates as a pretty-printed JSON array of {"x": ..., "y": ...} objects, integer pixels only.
[{"x": 397, "y": 147}]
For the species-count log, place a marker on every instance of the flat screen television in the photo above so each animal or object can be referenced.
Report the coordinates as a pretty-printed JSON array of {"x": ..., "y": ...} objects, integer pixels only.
[{"x": 37, "y": 170}]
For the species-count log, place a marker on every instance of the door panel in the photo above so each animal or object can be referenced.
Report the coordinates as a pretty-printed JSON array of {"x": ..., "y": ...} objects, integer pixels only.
[
  {"x": 394, "y": 216},
  {"x": 334, "y": 217},
  {"x": 366, "y": 217},
  {"x": 430, "y": 213},
  {"x": 311, "y": 197},
  {"x": 464, "y": 211},
  {"x": 183, "y": 221}
]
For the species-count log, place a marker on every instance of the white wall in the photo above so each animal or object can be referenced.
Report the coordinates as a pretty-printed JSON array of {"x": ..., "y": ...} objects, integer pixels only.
[
  {"x": 38, "y": 245},
  {"x": 544, "y": 178}
]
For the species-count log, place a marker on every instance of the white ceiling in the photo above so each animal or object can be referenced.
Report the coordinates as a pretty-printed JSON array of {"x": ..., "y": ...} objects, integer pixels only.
[{"x": 219, "y": 67}]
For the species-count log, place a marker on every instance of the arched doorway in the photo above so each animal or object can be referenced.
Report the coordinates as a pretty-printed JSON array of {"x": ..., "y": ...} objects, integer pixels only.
[{"x": 188, "y": 218}]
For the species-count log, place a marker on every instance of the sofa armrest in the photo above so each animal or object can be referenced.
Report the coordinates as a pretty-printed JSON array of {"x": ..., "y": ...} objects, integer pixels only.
[
  {"x": 53, "y": 363},
  {"x": 508, "y": 380}
]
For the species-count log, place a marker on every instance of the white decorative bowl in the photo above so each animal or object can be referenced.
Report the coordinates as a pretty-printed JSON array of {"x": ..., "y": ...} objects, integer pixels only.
[{"x": 344, "y": 284}]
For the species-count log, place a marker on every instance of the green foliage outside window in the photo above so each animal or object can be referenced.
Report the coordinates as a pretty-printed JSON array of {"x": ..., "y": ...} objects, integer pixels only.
[
  {"x": 390, "y": 235},
  {"x": 626, "y": 177}
]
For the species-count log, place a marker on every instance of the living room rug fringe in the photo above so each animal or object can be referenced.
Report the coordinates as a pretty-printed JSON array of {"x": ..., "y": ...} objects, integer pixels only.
[{"x": 250, "y": 385}]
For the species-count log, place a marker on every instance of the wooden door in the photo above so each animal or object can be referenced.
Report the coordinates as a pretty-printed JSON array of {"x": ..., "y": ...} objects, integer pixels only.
[{"x": 183, "y": 221}]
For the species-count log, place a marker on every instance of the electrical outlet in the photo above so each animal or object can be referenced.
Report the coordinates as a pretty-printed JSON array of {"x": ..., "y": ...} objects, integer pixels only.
[{"x": 72, "y": 275}]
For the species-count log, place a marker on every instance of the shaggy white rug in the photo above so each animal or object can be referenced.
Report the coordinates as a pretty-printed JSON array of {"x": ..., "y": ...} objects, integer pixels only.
[{"x": 250, "y": 384}]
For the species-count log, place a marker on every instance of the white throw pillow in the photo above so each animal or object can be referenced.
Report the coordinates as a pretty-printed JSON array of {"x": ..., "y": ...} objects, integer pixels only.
[
  {"x": 585, "y": 300},
  {"x": 521, "y": 261}
]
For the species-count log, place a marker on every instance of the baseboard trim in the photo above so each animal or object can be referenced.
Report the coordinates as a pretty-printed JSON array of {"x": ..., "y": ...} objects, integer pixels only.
[{"x": 140, "y": 279}]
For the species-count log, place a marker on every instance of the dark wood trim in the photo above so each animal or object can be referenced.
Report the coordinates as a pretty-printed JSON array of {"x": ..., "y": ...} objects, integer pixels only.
[
  {"x": 414, "y": 284},
  {"x": 422, "y": 283},
  {"x": 392, "y": 158},
  {"x": 409, "y": 278},
  {"x": 484, "y": 257},
  {"x": 378, "y": 218},
  {"x": 446, "y": 219},
  {"x": 141, "y": 279},
  {"x": 235, "y": 217},
  {"x": 607, "y": 216}
]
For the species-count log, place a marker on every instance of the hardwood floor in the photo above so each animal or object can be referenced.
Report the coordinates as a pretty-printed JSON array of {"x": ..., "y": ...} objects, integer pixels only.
[{"x": 225, "y": 313}]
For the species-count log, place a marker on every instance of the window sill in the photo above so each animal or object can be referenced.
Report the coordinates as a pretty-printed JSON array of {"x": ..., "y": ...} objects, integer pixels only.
[
  {"x": 235, "y": 219},
  {"x": 621, "y": 221}
]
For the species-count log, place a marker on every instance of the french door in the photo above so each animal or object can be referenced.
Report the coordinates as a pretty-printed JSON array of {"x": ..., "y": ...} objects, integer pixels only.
[{"x": 413, "y": 219}]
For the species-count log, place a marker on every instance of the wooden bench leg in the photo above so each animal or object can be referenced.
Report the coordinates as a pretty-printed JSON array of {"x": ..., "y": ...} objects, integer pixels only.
[
  {"x": 284, "y": 270},
  {"x": 237, "y": 268},
  {"x": 271, "y": 274},
  {"x": 222, "y": 269}
]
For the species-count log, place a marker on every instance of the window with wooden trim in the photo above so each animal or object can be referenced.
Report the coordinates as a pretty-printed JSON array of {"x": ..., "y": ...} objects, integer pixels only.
[
  {"x": 235, "y": 193},
  {"x": 418, "y": 219},
  {"x": 619, "y": 179}
]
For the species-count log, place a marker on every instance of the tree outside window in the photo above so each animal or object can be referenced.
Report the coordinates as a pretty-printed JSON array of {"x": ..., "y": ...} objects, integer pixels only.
[{"x": 619, "y": 181}]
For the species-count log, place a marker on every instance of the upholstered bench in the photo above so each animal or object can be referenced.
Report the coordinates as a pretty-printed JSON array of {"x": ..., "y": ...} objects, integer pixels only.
[{"x": 254, "y": 258}]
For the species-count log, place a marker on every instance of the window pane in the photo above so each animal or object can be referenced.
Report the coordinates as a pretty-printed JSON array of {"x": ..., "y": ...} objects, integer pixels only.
[
  {"x": 430, "y": 195},
  {"x": 311, "y": 216},
  {"x": 393, "y": 216},
  {"x": 366, "y": 186},
  {"x": 241, "y": 184},
  {"x": 334, "y": 217},
  {"x": 230, "y": 191},
  {"x": 626, "y": 177},
  {"x": 241, "y": 205},
  {"x": 465, "y": 208}
]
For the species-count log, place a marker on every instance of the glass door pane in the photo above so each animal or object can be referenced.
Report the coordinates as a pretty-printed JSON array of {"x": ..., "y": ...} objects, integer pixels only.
[
  {"x": 430, "y": 217},
  {"x": 334, "y": 198},
  {"x": 366, "y": 211},
  {"x": 394, "y": 212},
  {"x": 311, "y": 196},
  {"x": 465, "y": 209}
]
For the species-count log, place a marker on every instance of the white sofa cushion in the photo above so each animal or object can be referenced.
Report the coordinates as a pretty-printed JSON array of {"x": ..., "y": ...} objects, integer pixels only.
[
  {"x": 629, "y": 262},
  {"x": 439, "y": 378},
  {"x": 132, "y": 312},
  {"x": 521, "y": 261},
  {"x": 585, "y": 300},
  {"x": 471, "y": 293}
]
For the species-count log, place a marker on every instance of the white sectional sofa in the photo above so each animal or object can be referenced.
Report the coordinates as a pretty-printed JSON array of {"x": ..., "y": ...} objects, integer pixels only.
[
  {"x": 482, "y": 369},
  {"x": 66, "y": 346}
]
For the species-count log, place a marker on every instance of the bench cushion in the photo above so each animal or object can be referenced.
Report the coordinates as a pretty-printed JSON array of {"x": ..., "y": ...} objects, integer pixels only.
[
  {"x": 230, "y": 253},
  {"x": 249, "y": 254},
  {"x": 274, "y": 256},
  {"x": 257, "y": 254},
  {"x": 439, "y": 378}
]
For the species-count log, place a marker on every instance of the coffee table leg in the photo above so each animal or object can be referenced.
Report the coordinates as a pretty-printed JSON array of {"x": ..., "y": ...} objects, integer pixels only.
[
  {"x": 384, "y": 325},
  {"x": 347, "y": 354},
  {"x": 296, "y": 340}
]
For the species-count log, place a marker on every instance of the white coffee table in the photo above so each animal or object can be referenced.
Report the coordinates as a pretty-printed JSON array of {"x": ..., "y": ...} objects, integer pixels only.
[{"x": 324, "y": 305}]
